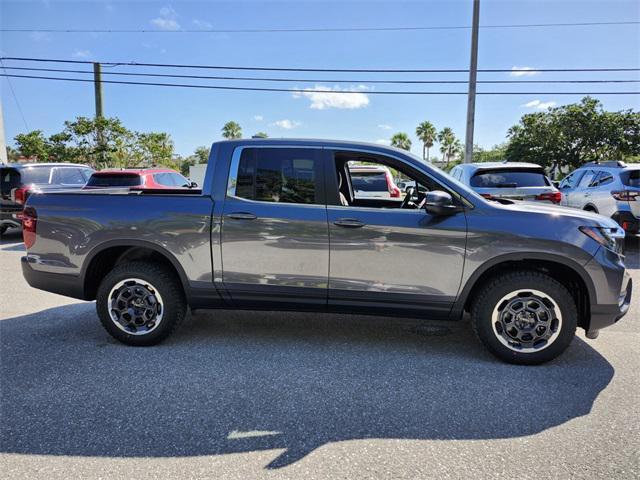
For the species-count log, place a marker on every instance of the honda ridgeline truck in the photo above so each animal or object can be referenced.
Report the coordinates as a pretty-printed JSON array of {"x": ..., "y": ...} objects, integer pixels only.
[{"x": 277, "y": 226}]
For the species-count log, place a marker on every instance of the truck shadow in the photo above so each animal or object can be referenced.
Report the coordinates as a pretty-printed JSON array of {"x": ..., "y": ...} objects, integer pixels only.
[{"x": 231, "y": 382}]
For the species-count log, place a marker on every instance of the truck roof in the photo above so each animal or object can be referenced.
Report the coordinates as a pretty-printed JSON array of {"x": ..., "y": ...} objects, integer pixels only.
[{"x": 315, "y": 142}]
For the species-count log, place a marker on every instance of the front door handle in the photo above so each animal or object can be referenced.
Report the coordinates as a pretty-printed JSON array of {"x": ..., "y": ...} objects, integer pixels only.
[
  {"x": 349, "y": 223},
  {"x": 242, "y": 216}
]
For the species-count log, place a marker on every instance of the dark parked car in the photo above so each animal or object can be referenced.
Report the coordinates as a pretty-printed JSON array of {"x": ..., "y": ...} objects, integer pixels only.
[
  {"x": 277, "y": 226},
  {"x": 18, "y": 181},
  {"x": 138, "y": 178}
]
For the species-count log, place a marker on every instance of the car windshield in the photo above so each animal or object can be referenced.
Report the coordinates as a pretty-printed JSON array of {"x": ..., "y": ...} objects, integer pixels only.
[
  {"x": 509, "y": 178},
  {"x": 632, "y": 178},
  {"x": 123, "y": 180},
  {"x": 369, "y": 181}
]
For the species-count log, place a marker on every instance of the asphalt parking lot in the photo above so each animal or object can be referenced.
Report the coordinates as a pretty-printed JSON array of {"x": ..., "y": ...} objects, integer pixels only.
[{"x": 269, "y": 395}]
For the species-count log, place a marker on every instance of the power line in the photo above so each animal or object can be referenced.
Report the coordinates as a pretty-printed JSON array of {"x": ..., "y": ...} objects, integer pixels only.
[
  {"x": 311, "y": 80},
  {"x": 15, "y": 98},
  {"x": 317, "y": 30},
  {"x": 302, "y": 90},
  {"x": 332, "y": 70}
]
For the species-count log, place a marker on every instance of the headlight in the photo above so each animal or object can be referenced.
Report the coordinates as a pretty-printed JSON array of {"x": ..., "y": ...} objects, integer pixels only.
[{"x": 610, "y": 238}]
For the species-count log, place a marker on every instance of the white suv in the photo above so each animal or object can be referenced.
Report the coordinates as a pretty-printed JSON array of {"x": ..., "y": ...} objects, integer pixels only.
[{"x": 608, "y": 188}]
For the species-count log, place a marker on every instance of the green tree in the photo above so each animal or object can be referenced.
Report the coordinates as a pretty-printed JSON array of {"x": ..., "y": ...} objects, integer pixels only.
[
  {"x": 33, "y": 144},
  {"x": 401, "y": 140},
  {"x": 83, "y": 135},
  {"x": 156, "y": 149},
  {"x": 426, "y": 132},
  {"x": 231, "y": 130},
  {"x": 12, "y": 154},
  {"x": 496, "y": 153},
  {"x": 450, "y": 146},
  {"x": 260, "y": 135},
  {"x": 202, "y": 154},
  {"x": 565, "y": 137}
]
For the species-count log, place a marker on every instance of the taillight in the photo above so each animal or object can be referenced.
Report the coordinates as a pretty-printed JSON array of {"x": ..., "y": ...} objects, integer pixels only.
[
  {"x": 394, "y": 191},
  {"x": 626, "y": 195},
  {"x": 20, "y": 195},
  {"x": 29, "y": 221},
  {"x": 553, "y": 197}
]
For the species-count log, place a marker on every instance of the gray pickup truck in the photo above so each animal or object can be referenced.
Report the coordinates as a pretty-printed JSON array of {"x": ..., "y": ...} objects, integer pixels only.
[{"x": 277, "y": 226}]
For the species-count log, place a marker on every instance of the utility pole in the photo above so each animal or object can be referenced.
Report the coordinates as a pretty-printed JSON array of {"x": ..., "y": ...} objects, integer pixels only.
[
  {"x": 97, "y": 87},
  {"x": 473, "y": 73},
  {"x": 3, "y": 142}
]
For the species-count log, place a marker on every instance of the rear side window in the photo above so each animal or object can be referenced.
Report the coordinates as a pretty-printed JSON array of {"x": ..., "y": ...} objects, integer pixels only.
[
  {"x": 604, "y": 178},
  {"x": 124, "y": 180},
  {"x": 69, "y": 176},
  {"x": 35, "y": 175},
  {"x": 631, "y": 178},
  {"x": 509, "y": 178},
  {"x": 369, "y": 181},
  {"x": 285, "y": 175}
]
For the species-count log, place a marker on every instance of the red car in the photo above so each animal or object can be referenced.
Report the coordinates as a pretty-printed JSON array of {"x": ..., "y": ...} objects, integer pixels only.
[{"x": 139, "y": 178}]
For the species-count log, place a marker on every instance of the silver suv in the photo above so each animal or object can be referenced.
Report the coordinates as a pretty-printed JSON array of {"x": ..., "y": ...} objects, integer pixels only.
[{"x": 608, "y": 188}]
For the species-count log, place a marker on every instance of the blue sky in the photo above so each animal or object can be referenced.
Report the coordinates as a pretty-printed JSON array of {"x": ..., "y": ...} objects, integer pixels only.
[{"x": 194, "y": 117}]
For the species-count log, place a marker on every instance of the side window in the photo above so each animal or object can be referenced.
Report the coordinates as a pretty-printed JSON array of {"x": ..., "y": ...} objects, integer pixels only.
[
  {"x": 455, "y": 173},
  {"x": 604, "y": 178},
  {"x": 587, "y": 179},
  {"x": 572, "y": 180},
  {"x": 163, "y": 179},
  {"x": 179, "y": 180},
  {"x": 283, "y": 175},
  {"x": 69, "y": 176}
]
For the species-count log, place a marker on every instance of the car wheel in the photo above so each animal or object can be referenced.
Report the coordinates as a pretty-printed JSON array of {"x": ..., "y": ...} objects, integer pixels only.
[
  {"x": 3, "y": 229},
  {"x": 140, "y": 303},
  {"x": 525, "y": 318},
  {"x": 589, "y": 208}
]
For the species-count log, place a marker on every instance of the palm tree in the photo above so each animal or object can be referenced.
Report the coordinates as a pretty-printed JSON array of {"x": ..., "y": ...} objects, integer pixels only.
[
  {"x": 426, "y": 132},
  {"x": 231, "y": 130},
  {"x": 401, "y": 140},
  {"x": 449, "y": 144}
]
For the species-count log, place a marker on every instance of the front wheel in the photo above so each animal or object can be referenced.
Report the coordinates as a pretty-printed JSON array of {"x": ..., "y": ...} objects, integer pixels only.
[
  {"x": 525, "y": 318},
  {"x": 140, "y": 303}
]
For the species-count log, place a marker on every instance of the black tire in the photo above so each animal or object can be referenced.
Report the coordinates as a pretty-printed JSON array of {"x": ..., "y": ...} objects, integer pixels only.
[
  {"x": 486, "y": 300},
  {"x": 3, "y": 229},
  {"x": 167, "y": 285}
]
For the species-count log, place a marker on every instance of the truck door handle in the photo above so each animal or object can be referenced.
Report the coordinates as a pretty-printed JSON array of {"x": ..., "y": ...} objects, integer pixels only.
[
  {"x": 242, "y": 216},
  {"x": 349, "y": 223}
]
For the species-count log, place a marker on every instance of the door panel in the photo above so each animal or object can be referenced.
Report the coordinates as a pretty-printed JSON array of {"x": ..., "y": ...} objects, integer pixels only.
[
  {"x": 403, "y": 258},
  {"x": 277, "y": 248}
]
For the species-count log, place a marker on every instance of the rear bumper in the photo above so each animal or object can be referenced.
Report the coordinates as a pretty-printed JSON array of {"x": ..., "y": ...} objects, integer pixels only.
[
  {"x": 10, "y": 217},
  {"x": 67, "y": 285}
]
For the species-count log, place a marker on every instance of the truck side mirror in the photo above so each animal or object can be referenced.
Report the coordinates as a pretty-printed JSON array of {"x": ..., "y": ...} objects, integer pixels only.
[{"x": 439, "y": 203}]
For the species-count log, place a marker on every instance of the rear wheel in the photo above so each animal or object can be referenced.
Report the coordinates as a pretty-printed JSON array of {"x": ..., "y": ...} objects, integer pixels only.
[
  {"x": 140, "y": 303},
  {"x": 525, "y": 318},
  {"x": 3, "y": 229}
]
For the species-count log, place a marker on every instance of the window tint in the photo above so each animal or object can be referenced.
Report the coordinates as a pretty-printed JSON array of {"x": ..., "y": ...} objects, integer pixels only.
[
  {"x": 35, "y": 174},
  {"x": 509, "y": 179},
  {"x": 588, "y": 179},
  {"x": 124, "y": 180},
  {"x": 163, "y": 179},
  {"x": 179, "y": 180},
  {"x": 69, "y": 176},
  {"x": 631, "y": 178},
  {"x": 604, "y": 178},
  {"x": 369, "y": 181},
  {"x": 285, "y": 175}
]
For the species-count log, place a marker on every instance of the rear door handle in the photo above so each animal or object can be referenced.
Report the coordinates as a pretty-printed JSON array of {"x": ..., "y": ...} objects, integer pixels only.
[
  {"x": 242, "y": 216},
  {"x": 349, "y": 223}
]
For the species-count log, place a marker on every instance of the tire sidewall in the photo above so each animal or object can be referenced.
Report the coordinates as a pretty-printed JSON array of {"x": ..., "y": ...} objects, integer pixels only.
[
  {"x": 488, "y": 299},
  {"x": 162, "y": 282}
]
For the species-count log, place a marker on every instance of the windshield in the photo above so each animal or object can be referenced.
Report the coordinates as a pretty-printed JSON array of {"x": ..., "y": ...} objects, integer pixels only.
[
  {"x": 124, "y": 180},
  {"x": 369, "y": 181},
  {"x": 509, "y": 179}
]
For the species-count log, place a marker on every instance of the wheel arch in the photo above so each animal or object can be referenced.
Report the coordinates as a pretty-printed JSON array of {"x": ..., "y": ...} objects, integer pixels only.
[
  {"x": 571, "y": 274},
  {"x": 104, "y": 257},
  {"x": 590, "y": 207}
]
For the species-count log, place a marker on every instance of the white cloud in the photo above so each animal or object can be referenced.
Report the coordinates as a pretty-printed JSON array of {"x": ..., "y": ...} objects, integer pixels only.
[
  {"x": 384, "y": 126},
  {"x": 166, "y": 20},
  {"x": 258, "y": 118},
  {"x": 539, "y": 104},
  {"x": 81, "y": 54},
  {"x": 286, "y": 124},
  {"x": 326, "y": 98},
  {"x": 523, "y": 72},
  {"x": 383, "y": 141},
  {"x": 202, "y": 24}
]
